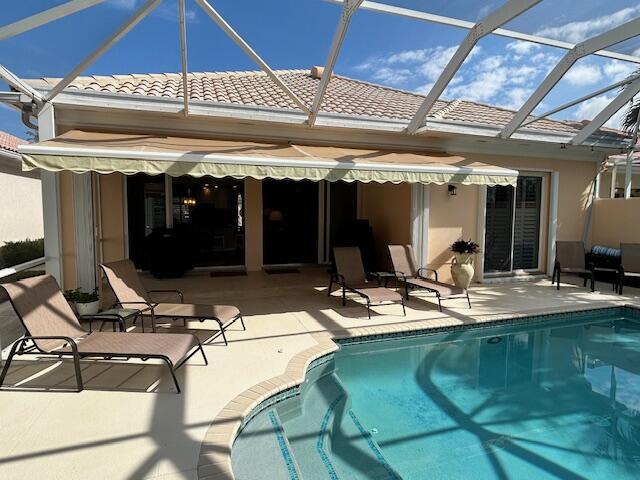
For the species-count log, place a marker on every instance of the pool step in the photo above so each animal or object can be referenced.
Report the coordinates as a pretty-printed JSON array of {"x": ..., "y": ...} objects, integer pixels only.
[
  {"x": 263, "y": 451},
  {"x": 329, "y": 440}
]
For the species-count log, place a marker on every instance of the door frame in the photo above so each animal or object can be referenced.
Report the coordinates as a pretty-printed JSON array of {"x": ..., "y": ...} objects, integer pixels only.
[{"x": 548, "y": 207}]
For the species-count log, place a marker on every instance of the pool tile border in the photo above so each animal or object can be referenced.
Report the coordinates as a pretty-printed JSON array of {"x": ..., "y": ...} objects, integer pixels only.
[{"x": 214, "y": 462}]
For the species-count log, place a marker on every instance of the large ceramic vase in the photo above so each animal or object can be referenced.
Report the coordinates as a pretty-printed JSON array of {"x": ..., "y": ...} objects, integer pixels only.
[{"x": 462, "y": 269}]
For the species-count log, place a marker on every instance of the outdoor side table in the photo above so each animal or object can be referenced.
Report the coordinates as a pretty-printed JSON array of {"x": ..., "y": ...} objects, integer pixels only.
[
  {"x": 383, "y": 275},
  {"x": 117, "y": 316}
]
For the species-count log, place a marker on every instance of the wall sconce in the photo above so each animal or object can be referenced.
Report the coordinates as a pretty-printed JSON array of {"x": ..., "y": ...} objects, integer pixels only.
[{"x": 453, "y": 190}]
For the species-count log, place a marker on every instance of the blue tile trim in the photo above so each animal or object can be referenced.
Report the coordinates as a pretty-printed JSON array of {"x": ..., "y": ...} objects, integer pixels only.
[
  {"x": 374, "y": 448},
  {"x": 578, "y": 315},
  {"x": 284, "y": 449},
  {"x": 320, "y": 442}
]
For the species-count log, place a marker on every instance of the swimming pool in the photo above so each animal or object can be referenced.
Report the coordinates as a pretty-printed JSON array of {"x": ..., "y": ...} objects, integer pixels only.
[{"x": 553, "y": 397}]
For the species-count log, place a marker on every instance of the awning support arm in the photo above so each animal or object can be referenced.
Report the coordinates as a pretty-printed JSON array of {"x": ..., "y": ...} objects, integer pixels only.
[
  {"x": 606, "y": 39},
  {"x": 349, "y": 7},
  {"x": 183, "y": 54},
  {"x": 222, "y": 23},
  {"x": 607, "y": 112},
  {"x": 484, "y": 27},
  {"x": 42, "y": 18},
  {"x": 106, "y": 45}
]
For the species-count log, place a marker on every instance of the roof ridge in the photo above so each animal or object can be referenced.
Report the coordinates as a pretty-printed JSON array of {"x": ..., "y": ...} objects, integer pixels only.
[{"x": 453, "y": 104}]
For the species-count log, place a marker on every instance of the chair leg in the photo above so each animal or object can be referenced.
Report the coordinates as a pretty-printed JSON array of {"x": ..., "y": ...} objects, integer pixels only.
[
  {"x": 404, "y": 311},
  {"x": 7, "y": 363},
  {"x": 204, "y": 357},
  {"x": 439, "y": 302},
  {"x": 224, "y": 336},
  {"x": 173, "y": 375},
  {"x": 344, "y": 297},
  {"x": 330, "y": 285},
  {"x": 76, "y": 366},
  {"x": 584, "y": 281},
  {"x": 468, "y": 299},
  {"x": 406, "y": 290},
  {"x": 242, "y": 323},
  {"x": 369, "y": 309},
  {"x": 558, "y": 278},
  {"x": 593, "y": 282}
]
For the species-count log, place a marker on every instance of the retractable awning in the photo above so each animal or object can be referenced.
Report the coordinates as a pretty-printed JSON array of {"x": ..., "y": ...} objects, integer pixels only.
[{"x": 81, "y": 151}]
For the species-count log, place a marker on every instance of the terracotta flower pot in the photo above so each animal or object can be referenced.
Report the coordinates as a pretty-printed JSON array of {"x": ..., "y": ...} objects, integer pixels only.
[{"x": 462, "y": 270}]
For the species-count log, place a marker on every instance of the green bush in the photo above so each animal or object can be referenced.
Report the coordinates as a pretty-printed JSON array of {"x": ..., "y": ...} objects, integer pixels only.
[{"x": 15, "y": 253}]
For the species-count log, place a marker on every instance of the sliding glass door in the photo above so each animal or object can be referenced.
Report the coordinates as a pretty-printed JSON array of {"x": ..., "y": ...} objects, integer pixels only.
[{"x": 512, "y": 226}]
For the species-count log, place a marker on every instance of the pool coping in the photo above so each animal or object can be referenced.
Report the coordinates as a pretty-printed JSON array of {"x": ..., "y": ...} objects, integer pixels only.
[{"x": 214, "y": 461}]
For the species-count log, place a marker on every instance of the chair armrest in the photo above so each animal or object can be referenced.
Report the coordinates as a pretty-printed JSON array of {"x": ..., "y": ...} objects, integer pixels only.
[
  {"x": 72, "y": 343},
  {"x": 400, "y": 275},
  {"x": 426, "y": 269},
  {"x": 177, "y": 292},
  {"x": 150, "y": 306}
]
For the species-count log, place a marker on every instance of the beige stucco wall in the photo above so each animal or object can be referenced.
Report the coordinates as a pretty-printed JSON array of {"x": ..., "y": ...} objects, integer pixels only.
[
  {"x": 453, "y": 217},
  {"x": 616, "y": 220},
  {"x": 21, "y": 212},
  {"x": 388, "y": 209}
]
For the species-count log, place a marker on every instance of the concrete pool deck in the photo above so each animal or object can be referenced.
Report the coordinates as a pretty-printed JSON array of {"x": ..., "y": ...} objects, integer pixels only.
[{"x": 120, "y": 428}]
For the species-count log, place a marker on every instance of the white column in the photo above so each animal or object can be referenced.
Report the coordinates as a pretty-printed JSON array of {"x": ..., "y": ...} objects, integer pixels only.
[
  {"x": 50, "y": 184},
  {"x": 553, "y": 221},
  {"x": 420, "y": 222},
  {"x": 84, "y": 232},
  {"x": 628, "y": 176},
  {"x": 480, "y": 232},
  {"x": 612, "y": 192}
]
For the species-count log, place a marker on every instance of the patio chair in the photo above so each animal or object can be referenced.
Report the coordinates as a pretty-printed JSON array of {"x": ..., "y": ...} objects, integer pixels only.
[
  {"x": 629, "y": 263},
  {"x": 407, "y": 271},
  {"x": 351, "y": 276},
  {"x": 53, "y": 329},
  {"x": 129, "y": 291},
  {"x": 570, "y": 258}
]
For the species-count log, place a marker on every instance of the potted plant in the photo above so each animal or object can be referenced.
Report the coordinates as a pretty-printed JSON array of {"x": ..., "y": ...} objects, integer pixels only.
[
  {"x": 462, "y": 266},
  {"x": 82, "y": 302}
]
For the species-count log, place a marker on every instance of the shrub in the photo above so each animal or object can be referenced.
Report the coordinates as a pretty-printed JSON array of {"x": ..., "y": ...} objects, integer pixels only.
[
  {"x": 15, "y": 253},
  {"x": 78, "y": 296}
]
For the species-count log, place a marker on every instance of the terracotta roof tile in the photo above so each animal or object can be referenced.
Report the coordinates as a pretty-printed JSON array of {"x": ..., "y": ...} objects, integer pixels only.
[
  {"x": 10, "y": 143},
  {"x": 344, "y": 95}
]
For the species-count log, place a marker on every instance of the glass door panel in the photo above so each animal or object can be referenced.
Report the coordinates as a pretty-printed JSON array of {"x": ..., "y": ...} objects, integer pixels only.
[
  {"x": 146, "y": 213},
  {"x": 526, "y": 232},
  {"x": 498, "y": 229}
]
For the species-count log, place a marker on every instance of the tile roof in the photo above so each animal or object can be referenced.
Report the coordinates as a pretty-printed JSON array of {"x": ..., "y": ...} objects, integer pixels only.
[
  {"x": 9, "y": 142},
  {"x": 344, "y": 95}
]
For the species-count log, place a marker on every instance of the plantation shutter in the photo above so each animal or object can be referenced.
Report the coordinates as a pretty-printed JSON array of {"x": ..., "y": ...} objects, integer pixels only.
[{"x": 526, "y": 234}]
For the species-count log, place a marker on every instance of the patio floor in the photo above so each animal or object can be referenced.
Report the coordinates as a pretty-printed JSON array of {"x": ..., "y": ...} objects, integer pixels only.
[{"x": 119, "y": 429}]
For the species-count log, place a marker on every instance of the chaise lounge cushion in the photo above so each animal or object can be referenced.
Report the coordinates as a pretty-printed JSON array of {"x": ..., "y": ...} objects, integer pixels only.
[
  {"x": 378, "y": 294},
  {"x": 224, "y": 313},
  {"x": 444, "y": 289},
  {"x": 175, "y": 346}
]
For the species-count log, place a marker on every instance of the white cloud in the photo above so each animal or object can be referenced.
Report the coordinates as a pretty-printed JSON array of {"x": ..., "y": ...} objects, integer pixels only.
[
  {"x": 520, "y": 47},
  {"x": 165, "y": 11},
  {"x": 583, "y": 74},
  {"x": 615, "y": 70},
  {"x": 577, "y": 31},
  {"x": 590, "y": 108},
  {"x": 392, "y": 76},
  {"x": 123, "y": 4}
]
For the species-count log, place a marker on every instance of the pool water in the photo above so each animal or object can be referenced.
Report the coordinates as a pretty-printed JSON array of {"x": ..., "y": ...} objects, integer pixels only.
[{"x": 557, "y": 398}]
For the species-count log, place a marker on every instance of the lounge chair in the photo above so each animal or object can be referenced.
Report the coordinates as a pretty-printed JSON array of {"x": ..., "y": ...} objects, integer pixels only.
[
  {"x": 570, "y": 258},
  {"x": 130, "y": 293},
  {"x": 406, "y": 270},
  {"x": 351, "y": 276},
  {"x": 53, "y": 329},
  {"x": 629, "y": 263}
]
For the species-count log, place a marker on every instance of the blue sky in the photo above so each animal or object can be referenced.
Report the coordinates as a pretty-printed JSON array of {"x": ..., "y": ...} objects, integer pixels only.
[{"x": 390, "y": 50}]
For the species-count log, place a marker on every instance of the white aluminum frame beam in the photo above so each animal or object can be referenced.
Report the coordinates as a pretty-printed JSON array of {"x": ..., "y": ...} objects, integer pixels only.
[
  {"x": 42, "y": 18},
  {"x": 628, "y": 171},
  {"x": 455, "y": 22},
  {"x": 349, "y": 7},
  {"x": 142, "y": 12},
  {"x": 589, "y": 46},
  {"x": 484, "y": 27},
  {"x": 231, "y": 33},
  {"x": 607, "y": 112},
  {"x": 581, "y": 99},
  {"x": 15, "y": 81},
  {"x": 183, "y": 54}
]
